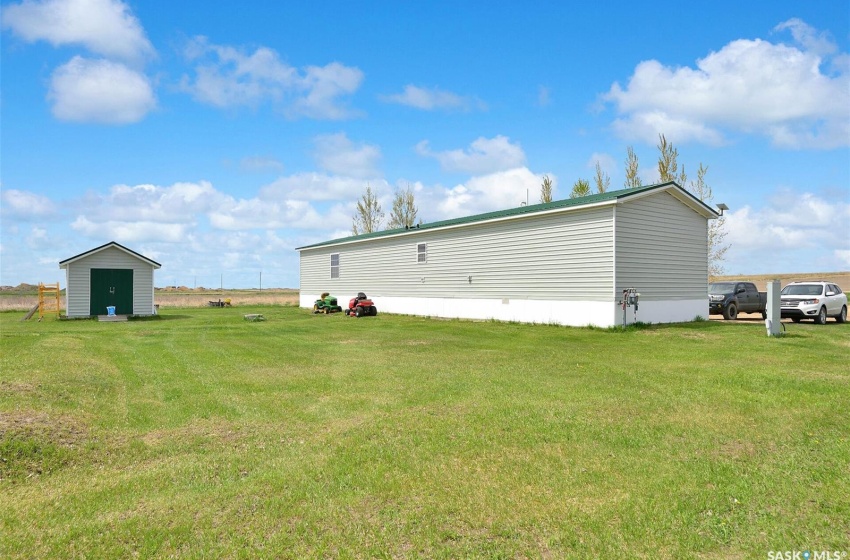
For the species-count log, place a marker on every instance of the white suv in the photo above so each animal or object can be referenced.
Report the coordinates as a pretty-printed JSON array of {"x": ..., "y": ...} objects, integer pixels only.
[{"x": 813, "y": 300}]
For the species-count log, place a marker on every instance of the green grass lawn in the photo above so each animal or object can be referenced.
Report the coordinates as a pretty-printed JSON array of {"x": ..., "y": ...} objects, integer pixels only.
[{"x": 201, "y": 435}]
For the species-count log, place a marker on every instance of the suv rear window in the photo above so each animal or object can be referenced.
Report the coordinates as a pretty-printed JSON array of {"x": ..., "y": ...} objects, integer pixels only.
[{"x": 802, "y": 290}]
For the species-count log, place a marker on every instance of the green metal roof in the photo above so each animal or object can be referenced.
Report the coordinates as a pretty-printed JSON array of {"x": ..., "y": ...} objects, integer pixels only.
[{"x": 609, "y": 196}]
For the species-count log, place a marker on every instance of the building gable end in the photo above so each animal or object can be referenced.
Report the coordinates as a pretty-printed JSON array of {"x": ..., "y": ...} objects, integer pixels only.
[{"x": 113, "y": 244}]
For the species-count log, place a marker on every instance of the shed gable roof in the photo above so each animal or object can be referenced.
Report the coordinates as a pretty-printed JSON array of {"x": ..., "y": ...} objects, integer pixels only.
[
  {"x": 66, "y": 262},
  {"x": 607, "y": 198}
]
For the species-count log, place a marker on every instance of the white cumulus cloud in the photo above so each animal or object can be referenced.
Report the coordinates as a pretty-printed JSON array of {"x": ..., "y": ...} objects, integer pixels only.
[
  {"x": 248, "y": 214},
  {"x": 100, "y": 91},
  {"x": 484, "y": 155},
  {"x": 260, "y": 164},
  {"x": 818, "y": 42},
  {"x": 183, "y": 211},
  {"x": 337, "y": 154},
  {"x": 495, "y": 191},
  {"x": 39, "y": 239},
  {"x": 322, "y": 86},
  {"x": 319, "y": 186},
  {"x": 23, "y": 205},
  {"x": 125, "y": 232},
  {"x": 748, "y": 86},
  {"x": 146, "y": 212},
  {"x": 429, "y": 99},
  {"x": 104, "y": 27},
  {"x": 226, "y": 76},
  {"x": 178, "y": 202},
  {"x": 793, "y": 226}
]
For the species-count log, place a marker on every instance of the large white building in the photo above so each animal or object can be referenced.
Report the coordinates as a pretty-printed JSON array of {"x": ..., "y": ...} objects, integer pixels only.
[
  {"x": 109, "y": 275},
  {"x": 565, "y": 262}
]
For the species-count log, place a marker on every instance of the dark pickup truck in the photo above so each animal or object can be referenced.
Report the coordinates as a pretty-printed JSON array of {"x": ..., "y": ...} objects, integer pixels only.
[{"x": 730, "y": 298}]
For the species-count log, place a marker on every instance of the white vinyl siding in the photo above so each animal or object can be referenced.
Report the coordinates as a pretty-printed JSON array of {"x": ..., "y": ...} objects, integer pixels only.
[
  {"x": 661, "y": 249},
  {"x": 78, "y": 278},
  {"x": 567, "y": 256}
]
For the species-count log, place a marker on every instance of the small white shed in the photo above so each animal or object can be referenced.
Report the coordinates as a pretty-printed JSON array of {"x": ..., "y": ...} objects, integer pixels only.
[
  {"x": 565, "y": 262},
  {"x": 109, "y": 275}
]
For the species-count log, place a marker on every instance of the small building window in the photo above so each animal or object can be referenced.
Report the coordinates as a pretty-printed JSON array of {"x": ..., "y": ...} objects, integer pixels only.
[
  {"x": 422, "y": 252},
  {"x": 335, "y": 265}
]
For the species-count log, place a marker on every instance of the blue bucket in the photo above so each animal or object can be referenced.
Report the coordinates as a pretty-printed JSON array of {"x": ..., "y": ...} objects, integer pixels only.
[{"x": 110, "y": 310}]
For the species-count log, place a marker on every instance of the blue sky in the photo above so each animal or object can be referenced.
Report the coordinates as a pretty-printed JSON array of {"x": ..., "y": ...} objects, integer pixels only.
[{"x": 215, "y": 137}]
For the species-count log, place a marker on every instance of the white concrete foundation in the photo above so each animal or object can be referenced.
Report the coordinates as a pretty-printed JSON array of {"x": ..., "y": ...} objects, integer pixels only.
[
  {"x": 666, "y": 311},
  {"x": 567, "y": 313}
]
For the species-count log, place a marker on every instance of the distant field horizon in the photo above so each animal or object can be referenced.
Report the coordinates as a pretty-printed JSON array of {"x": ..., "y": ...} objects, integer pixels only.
[{"x": 784, "y": 276}]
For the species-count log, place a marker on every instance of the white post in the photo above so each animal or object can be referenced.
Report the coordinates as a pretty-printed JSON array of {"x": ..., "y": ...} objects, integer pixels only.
[{"x": 773, "y": 308}]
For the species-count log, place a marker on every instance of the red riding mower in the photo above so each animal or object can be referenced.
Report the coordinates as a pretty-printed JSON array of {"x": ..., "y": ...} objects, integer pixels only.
[{"x": 360, "y": 306}]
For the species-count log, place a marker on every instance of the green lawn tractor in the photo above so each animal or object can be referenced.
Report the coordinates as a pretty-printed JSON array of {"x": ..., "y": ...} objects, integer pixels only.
[{"x": 326, "y": 304}]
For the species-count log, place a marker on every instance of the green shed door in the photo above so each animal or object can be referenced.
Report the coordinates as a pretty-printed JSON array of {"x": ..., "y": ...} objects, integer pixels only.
[{"x": 111, "y": 286}]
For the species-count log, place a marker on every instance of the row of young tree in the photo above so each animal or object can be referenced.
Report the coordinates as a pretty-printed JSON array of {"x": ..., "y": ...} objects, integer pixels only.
[
  {"x": 668, "y": 166},
  {"x": 369, "y": 215}
]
